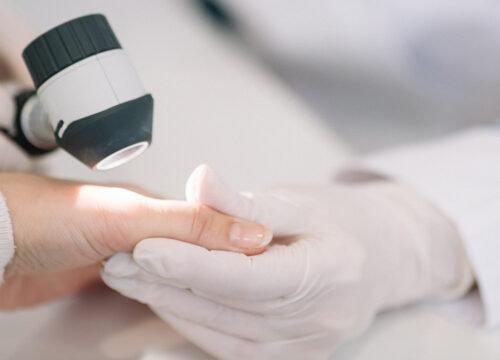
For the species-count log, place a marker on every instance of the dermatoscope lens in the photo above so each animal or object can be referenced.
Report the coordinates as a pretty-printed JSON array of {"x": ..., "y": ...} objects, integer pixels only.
[{"x": 122, "y": 156}]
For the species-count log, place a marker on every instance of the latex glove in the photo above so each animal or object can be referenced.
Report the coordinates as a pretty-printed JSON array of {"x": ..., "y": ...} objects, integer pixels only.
[
  {"x": 343, "y": 253},
  {"x": 60, "y": 226}
]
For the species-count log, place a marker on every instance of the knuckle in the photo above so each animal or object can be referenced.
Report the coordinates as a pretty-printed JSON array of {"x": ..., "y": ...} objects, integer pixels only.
[
  {"x": 115, "y": 228},
  {"x": 203, "y": 224}
]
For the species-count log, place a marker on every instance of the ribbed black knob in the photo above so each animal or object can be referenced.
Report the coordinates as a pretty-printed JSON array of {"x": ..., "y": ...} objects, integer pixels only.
[{"x": 67, "y": 44}]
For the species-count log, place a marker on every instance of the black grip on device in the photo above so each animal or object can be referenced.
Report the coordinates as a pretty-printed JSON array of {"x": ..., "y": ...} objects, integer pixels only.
[
  {"x": 16, "y": 134},
  {"x": 67, "y": 44}
]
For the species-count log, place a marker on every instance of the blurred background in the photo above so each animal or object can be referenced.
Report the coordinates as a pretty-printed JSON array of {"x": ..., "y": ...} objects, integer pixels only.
[
  {"x": 285, "y": 90},
  {"x": 379, "y": 72}
]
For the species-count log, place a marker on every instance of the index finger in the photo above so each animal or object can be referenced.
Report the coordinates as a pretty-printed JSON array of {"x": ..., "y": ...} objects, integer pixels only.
[
  {"x": 200, "y": 225},
  {"x": 122, "y": 218}
]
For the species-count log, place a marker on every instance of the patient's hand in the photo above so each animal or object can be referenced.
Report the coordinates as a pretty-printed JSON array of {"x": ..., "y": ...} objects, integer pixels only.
[{"x": 63, "y": 229}]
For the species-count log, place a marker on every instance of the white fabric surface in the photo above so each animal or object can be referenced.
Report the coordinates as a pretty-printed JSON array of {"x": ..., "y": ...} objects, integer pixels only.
[{"x": 460, "y": 175}]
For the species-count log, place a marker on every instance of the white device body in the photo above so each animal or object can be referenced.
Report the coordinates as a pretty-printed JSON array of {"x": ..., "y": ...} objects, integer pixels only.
[
  {"x": 90, "y": 86},
  {"x": 89, "y": 99}
]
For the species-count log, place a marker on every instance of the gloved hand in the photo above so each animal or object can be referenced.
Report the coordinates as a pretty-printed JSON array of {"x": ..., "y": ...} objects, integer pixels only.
[
  {"x": 341, "y": 254},
  {"x": 60, "y": 227}
]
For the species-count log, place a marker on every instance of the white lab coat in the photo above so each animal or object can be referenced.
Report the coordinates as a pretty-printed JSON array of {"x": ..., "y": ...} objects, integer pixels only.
[
  {"x": 383, "y": 72},
  {"x": 459, "y": 174}
]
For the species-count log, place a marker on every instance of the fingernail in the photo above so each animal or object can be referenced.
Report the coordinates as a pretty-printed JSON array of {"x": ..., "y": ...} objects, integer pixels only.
[{"x": 249, "y": 235}]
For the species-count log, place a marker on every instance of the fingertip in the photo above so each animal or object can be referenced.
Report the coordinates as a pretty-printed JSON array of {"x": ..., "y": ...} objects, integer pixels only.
[{"x": 252, "y": 252}]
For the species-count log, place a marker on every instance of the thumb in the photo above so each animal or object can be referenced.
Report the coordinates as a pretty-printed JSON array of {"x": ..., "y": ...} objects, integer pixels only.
[{"x": 275, "y": 211}]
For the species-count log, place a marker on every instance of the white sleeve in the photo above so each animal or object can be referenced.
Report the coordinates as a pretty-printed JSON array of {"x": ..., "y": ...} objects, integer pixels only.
[
  {"x": 460, "y": 175},
  {"x": 12, "y": 158}
]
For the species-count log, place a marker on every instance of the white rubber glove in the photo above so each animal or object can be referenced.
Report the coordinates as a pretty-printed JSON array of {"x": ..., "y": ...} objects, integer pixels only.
[{"x": 356, "y": 250}]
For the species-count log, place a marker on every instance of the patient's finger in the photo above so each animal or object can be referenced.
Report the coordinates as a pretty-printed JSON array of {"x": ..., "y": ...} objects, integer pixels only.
[
  {"x": 116, "y": 219},
  {"x": 198, "y": 224}
]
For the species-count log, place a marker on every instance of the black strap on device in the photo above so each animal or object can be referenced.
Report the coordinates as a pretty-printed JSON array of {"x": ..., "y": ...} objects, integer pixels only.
[{"x": 16, "y": 134}]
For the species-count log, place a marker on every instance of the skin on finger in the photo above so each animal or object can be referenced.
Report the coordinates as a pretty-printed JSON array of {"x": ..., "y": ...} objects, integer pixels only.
[
  {"x": 123, "y": 218},
  {"x": 134, "y": 188},
  {"x": 200, "y": 225}
]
